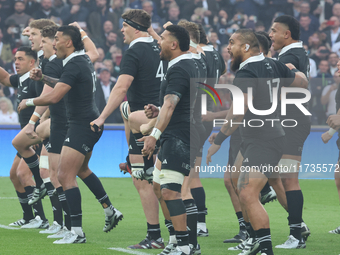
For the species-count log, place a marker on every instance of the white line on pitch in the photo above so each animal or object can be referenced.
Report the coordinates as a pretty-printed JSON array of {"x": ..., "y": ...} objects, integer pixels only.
[
  {"x": 129, "y": 251},
  {"x": 7, "y": 227},
  {"x": 8, "y": 197}
]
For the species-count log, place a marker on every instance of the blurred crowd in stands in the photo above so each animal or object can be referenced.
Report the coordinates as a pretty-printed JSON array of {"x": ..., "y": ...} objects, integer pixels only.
[{"x": 101, "y": 19}]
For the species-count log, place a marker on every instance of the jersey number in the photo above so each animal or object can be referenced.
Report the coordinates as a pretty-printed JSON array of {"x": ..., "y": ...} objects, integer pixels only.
[
  {"x": 160, "y": 72},
  {"x": 94, "y": 80},
  {"x": 269, "y": 83}
]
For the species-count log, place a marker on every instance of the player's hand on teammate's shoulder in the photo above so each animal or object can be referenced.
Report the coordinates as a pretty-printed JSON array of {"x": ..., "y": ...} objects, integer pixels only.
[
  {"x": 35, "y": 74},
  {"x": 22, "y": 105},
  {"x": 212, "y": 138},
  {"x": 96, "y": 125},
  {"x": 151, "y": 111},
  {"x": 290, "y": 66}
]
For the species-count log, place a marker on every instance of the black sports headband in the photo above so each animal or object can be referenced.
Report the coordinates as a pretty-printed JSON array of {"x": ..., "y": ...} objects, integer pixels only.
[{"x": 135, "y": 25}]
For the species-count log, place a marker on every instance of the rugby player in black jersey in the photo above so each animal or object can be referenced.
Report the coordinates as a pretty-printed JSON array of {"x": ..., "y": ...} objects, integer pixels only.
[
  {"x": 173, "y": 126},
  {"x": 285, "y": 34},
  {"x": 141, "y": 72},
  {"x": 25, "y": 59},
  {"x": 22, "y": 142},
  {"x": 261, "y": 145},
  {"x": 215, "y": 68},
  {"x": 334, "y": 122},
  {"x": 77, "y": 82}
]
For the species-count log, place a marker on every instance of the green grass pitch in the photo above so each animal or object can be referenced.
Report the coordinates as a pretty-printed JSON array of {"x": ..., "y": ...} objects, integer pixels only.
[{"x": 321, "y": 213}]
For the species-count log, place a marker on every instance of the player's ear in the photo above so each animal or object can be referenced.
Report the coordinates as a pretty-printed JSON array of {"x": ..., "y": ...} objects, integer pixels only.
[
  {"x": 68, "y": 43},
  {"x": 247, "y": 47},
  {"x": 174, "y": 45},
  {"x": 287, "y": 34}
]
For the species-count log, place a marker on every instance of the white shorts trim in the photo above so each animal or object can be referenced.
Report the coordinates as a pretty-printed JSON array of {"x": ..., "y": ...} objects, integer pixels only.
[{"x": 156, "y": 172}]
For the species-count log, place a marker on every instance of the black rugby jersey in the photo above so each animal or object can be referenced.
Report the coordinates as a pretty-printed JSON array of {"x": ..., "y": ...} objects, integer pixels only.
[
  {"x": 215, "y": 68},
  {"x": 78, "y": 72},
  {"x": 262, "y": 74},
  {"x": 26, "y": 89},
  {"x": 53, "y": 68},
  {"x": 295, "y": 54},
  {"x": 142, "y": 61},
  {"x": 177, "y": 81}
]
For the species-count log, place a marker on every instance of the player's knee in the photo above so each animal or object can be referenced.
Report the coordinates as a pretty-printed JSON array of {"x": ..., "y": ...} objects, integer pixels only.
[
  {"x": 13, "y": 175},
  {"x": 16, "y": 143},
  {"x": 227, "y": 183},
  {"x": 176, "y": 207},
  {"x": 245, "y": 196}
]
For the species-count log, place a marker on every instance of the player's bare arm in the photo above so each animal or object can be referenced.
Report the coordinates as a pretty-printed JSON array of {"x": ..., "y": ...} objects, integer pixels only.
[
  {"x": 37, "y": 75},
  {"x": 227, "y": 129},
  {"x": 52, "y": 97},
  {"x": 163, "y": 119},
  {"x": 4, "y": 78},
  {"x": 90, "y": 48},
  {"x": 116, "y": 98},
  {"x": 334, "y": 122}
]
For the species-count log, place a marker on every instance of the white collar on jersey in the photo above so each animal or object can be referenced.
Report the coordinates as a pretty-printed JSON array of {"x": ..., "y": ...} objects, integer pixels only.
[
  {"x": 40, "y": 53},
  {"x": 179, "y": 58},
  {"x": 74, "y": 54},
  {"x": 52, "y": 57},
  {"x": 291, "y": 46},
  {"x": 196, "y": 55},
  {"x": 252, "y": 59},
  {"x": 24, "y": 77},
  {"x": 148, "y": 39},
  {"x": 208, "y": 48}
]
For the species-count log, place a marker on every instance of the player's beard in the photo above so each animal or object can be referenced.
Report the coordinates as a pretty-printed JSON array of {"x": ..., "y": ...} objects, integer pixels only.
[
  {"x": 235, "y": 63},
  {"x": 165, "y": 55}
]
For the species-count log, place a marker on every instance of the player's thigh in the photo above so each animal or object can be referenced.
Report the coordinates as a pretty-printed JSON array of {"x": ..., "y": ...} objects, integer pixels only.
[
  {"x": 21, "y": 140},
  {"x": 136, "y": 119},
  {"x": 70, "y": 162},
  {"x": 43, "y": 130}
]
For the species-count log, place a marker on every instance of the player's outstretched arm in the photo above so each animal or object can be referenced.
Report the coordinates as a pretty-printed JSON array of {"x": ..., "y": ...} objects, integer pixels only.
[
  {"x": 37, "y": 75},
  {"x": 116, "y": 98},
  {"x": 163, "y": 119},
  {"x": 89, "y": 46},
  {"x": 300, "y": 80},
  {"x": 52, "y": 97},
  {"x": 4, "y": 78}
]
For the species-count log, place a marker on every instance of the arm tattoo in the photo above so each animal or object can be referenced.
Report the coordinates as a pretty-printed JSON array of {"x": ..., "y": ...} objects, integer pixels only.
[
  {"x": 50, "y": 81},
  {"x": 173, "y": 99},
  {"x": 243, "y": 181}
]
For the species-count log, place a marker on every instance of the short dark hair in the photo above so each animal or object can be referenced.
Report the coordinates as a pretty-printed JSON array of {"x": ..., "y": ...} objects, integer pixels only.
[
  {"x": 49, "y": 31},
  {"x": 140, "y": 17},
  {"x": 192, "y": 28},
  {"x": 292, "y": 24},
  {"x": 28, "y": 52},
  {"x": 181, "y": 35},
  {"x": 203, "y": 35},
  {"x": 264, "y": 40},
  {"x": 74, "y": 34},
  {"x": 248, "y": 36}
]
